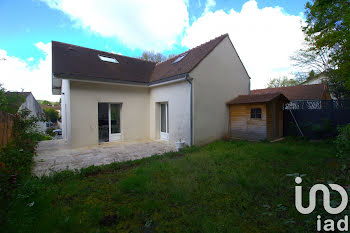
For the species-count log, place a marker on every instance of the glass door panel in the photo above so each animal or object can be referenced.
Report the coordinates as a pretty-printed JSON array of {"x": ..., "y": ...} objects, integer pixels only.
[
  {"x": 103, "y": 122},
  {"x": 164, "y": 122}
]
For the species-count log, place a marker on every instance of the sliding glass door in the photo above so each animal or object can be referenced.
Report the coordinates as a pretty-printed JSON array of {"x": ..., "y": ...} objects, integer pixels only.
[{"x": 109, "y": 122}]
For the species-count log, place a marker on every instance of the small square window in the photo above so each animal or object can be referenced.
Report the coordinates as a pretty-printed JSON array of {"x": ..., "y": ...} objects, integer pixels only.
[{"x": 255, "y": 113}]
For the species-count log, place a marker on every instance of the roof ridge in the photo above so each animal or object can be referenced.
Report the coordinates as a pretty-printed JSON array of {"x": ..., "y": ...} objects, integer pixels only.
[
  {"x": 113, "y": 54},
  {"x": 187, "y": 51},
  {"x": 299, "y": 85}
]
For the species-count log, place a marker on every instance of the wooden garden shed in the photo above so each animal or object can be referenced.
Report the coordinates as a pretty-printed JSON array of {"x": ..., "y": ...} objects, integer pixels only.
[{"x": 257, "y": 117}]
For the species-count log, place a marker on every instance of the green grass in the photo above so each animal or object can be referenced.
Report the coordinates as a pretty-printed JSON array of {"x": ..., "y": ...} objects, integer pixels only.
[{"x": 232, "y": 186}]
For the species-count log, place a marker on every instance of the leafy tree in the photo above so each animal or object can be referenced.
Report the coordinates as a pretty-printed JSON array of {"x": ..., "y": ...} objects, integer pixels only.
[
  {"x": 282, "y": 82},
  {"x": 328, "y": 29},
  {"x": 46, "y": 102},
  {"x": 10, "y": 102},
  {"x": 3, "y": 98},
  {"x": 51, "y": 114}
]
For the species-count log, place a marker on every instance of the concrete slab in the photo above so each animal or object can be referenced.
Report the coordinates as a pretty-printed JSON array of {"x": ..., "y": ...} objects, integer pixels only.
[{"x": 56, "y": 155}]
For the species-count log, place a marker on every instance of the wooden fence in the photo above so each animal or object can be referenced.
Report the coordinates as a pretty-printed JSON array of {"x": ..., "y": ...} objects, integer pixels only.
[{"x": 6, "y": 124}]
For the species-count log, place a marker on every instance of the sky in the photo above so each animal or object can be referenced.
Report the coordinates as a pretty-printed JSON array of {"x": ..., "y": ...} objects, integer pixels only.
[{"x": 265, "y": 33}]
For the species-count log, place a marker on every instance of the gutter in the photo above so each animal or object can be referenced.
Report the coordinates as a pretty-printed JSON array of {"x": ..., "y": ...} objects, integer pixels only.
[
  {"x": 189, "y": 80},
  {"x": 172, "y": 79}
]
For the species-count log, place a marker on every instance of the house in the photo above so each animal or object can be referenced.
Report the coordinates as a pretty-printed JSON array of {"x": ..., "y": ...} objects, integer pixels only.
[
  {"x": 321, "y": 78},
  {"x": 257, "y": 116},
  {"x": 300, "y": 92},
  {"x": 110, "y": 97},
  {"x": 26, "y": 100}
]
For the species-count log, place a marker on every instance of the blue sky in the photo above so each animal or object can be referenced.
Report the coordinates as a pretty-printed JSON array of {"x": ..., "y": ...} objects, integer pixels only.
[{"x": 28, "y": 27}]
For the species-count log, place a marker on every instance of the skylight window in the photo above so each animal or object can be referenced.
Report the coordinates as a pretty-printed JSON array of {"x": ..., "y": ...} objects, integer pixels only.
[
  {"x": 108, "y": 59},
  {"x": 179, "y": 58}
]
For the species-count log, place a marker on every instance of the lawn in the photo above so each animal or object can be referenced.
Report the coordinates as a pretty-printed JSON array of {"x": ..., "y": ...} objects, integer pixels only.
[{"x": 226, "y": 186}]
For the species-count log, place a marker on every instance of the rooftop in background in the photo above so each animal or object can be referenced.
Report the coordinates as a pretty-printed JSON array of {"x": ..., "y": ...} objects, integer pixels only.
[
  {"x": 56, "y": 107},
  {"x": 257, "y": 98},
  {"x": 71, "y": 61},
  {"x": 300, "y": 92}
]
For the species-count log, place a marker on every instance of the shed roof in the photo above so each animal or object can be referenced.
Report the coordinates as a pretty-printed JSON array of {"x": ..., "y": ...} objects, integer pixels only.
[
  {"x": 300, "y": 92},
  {"x": 257, "y": 98}
]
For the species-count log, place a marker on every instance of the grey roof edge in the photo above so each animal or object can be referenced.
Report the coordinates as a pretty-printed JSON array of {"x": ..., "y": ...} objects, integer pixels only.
[{"x": 85, "y": 78}]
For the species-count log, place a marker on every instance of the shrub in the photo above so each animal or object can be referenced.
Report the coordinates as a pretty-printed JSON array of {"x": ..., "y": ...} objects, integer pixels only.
[
  {"x": 343, "y": 141},
  {"x": 16, "y": 158},
  {"x": 49, "y": 131}
]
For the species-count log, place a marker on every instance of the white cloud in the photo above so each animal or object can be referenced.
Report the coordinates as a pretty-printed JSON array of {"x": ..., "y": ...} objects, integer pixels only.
[
  {"x": 208, "y": 6},
  {"x": 16, "y": 73},
  {"x": 152, "y": 25},
  {"x": 264, "y": 38}
]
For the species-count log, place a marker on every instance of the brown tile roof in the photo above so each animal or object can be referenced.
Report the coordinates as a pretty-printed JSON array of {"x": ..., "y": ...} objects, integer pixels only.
[
  {"x": 23, "y": 93},
  {"x": 56, "y": 107},
  {"x": 188, "y": 63},
  {"x": 257, "y": 98},
  {"x": 83, "y": 63},
  {"x": 301, "y": 92}
]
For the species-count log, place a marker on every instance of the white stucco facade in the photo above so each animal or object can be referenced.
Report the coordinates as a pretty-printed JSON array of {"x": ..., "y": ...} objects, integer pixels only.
[
  {"x": 196, "y": 103},
  {"x": 177, "y": 95},
  {"x": 84, "y": 99},
  {"x": 66, "y": 110},
  {"x": 217, "y": 79}
]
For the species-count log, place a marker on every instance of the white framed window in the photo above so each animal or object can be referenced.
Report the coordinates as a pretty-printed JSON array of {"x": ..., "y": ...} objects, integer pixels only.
[
  {"x": 108, "y": 59},
  {"x": 179, "y": 58}
]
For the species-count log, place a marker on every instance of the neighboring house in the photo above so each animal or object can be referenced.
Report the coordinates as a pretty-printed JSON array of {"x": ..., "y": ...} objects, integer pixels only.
[
  {"x": 318, "y": 79},
  {"x": 257, "y": 116},
  {"x": 300, "y": 92},
  {"x": 110, "y": 97},
  {"x": 321, "y": 78},
  {"x": 27, "y": 101}
]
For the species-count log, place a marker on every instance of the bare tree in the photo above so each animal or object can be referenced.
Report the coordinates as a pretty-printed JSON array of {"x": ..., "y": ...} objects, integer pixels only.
[
  {"x": 309, "y": 59},
  {"x": 153, "y": 56}
]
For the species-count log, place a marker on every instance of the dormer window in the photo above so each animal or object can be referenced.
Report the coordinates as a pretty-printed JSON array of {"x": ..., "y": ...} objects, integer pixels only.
[
  {"x": 108, "y": 59},
  {"x": 179, "y": 58}
]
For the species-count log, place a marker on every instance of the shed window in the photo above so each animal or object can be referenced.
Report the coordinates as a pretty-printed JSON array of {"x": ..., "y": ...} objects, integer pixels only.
[{"x": 255, "y": 113}]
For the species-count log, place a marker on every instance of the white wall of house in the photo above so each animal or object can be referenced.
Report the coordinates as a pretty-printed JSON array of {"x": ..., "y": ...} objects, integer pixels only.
[
  {"x": 217, "y": 79},
  {"x": 177, "y": 95},
  {"x": 84, "y": 106},
  {"x": 66, "y": 111},
  {"x": 35, "y": 110}
]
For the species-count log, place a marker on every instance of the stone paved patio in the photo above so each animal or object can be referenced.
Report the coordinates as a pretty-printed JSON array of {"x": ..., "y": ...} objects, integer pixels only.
[{"x": 56, "y": 155}]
